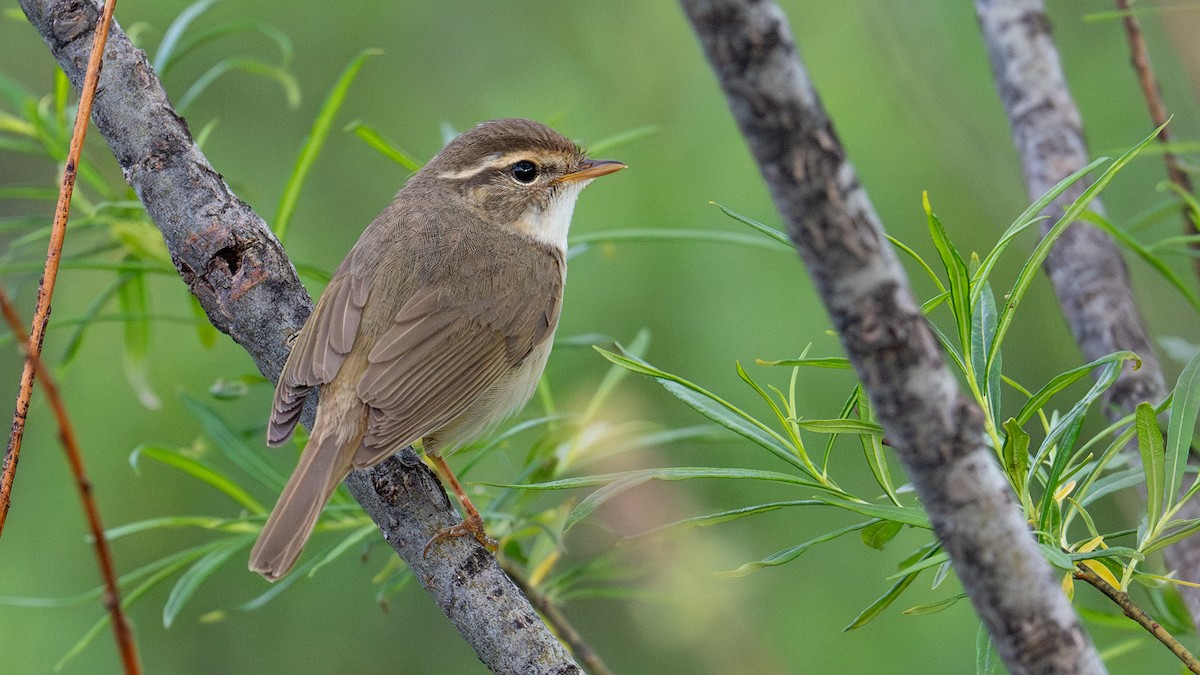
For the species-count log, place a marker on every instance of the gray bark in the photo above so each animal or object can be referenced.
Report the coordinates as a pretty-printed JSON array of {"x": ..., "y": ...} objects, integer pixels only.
[
  {"x": 242, "y": 277},
  {"x": 936, "y": 431},
  {"x": 1084, "y": 265}
]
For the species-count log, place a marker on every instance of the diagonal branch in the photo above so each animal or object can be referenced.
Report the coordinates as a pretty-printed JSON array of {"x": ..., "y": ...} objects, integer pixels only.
[
  {"x": 242, "y": 277},
  {"x": 936, "y": 432},
  {"x": 66, "y": 431},
  {"x": 1089, "y": 277}
]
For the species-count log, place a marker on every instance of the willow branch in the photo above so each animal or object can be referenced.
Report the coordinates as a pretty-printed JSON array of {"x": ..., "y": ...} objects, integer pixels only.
[
  {"x": 1141, "y": 617},
  {"x": 1139, "y": 57},
  {"x": 1086, "y": 270},
  {"x": 126, "y": 645},
  {"x": 560, "y": 624},
  {"x": 249, "y": 289},
  {"x": 58, "y": 231},
  {"x": 936, "y": 431}
]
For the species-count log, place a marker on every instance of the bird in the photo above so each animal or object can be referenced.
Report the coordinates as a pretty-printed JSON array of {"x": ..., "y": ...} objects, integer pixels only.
[{"x": 436, "y": 326}]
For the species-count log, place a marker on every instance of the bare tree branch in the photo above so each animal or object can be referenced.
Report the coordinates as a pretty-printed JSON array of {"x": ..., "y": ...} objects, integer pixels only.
[
  {"x": 240, "y": 273},
  {"x": 1085, "y": 268},
  {"x": 937, "y": 433}
]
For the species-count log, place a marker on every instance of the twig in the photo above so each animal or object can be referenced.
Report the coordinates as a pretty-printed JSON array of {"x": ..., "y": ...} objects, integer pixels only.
[
  {"x": 1140, "y": 59},
  {"x": 58, "y": 231},
  {"x": 937, "y": 431},
  {"x": 112, "y": 596},
  {"x": 559, "y": 623},
  {"x": 1144, "y": 620}
]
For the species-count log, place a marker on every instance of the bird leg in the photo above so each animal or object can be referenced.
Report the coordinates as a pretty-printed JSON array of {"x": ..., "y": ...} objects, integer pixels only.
[{"x": 472, "y": 523}]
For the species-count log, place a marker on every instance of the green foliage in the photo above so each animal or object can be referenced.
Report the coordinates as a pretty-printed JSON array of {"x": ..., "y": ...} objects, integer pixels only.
[
  {"x": 1056, "y": 479},
  {"x": 1058, "y": 469}
]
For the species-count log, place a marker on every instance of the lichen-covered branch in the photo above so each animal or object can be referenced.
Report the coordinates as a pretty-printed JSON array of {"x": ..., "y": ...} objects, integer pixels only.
[
  {"x": 242, "y": 277},
  {"x": 937, "y": 433},
  {"x": 1085, "y": 268}
]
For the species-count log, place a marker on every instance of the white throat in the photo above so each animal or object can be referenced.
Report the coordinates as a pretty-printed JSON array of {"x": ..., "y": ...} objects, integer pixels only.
[{"x": 550, "y": 225}]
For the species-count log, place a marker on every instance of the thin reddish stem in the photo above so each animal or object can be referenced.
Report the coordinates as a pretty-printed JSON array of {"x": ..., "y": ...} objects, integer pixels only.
[
  {"x": 58, "y": 231},
  {"x": 112, "y": 597},
  {"x": 1139, "y": 56}
]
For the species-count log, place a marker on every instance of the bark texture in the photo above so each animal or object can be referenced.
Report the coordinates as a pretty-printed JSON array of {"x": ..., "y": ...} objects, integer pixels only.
[
  {"x": 936, "y": 431},
  {"x": 1088, "y": 274},
  {"x": 249, "y": 288}
]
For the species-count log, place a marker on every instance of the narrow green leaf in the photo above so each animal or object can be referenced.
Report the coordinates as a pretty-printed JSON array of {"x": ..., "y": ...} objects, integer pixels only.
[
  {"x": 155, "y": 572},
  {"x": 342, "y": 546},
  {"x": 1015, "y": 451},
  {"x": 837, "y": 362},
  {"x": 921, "y": 610},
  {"x": 315, "y": 141},
  {"x": 191, "y": 580},
  {"x": 1066, "y": 379},
  {"x": 711, "y": 406},
  {"x": 986, "y": 657},
  {"x": 1057, "y": 557},
  {"x": 206, "y": 333},
  {"x": 1144, "y": 252},
  {"x": 872, "y": 446},
  {"x": 647, "y": 235},
  {"x": 789, "y": 554},
  {"x": 383, "y": 146},
  {"x": 754, "y": 224},
  {"x": 1150, "y": 445},
  {"x": 603, "y": 145},
  {"x": 901, "y": 514},
  {"x": 231, "y": 444},
  {"x": 177, "y": 29},
  {"x": 1188, "y": 529},
  {"x": 876, "y": 608},
  {"x": 195, "y": 39},
  {"x": 983, "y": 332},
  {"x": 878, "y": 535},
  {"x": 291, "y": 89},
  {"x": 134, "y": 300},
  {"x": 237, "y": 526},
  {"x": 200, "y": 471},
  {"x": 841, "y": 426},
  {"x": 615, "y": 484},
  {"x": 923, "y": 564},
  {"x": 1181, "y": 428},
  {"x": 1059, "y": 432},
  {"x": 1033, "y": 264},
  {"x": 956, "y": 272},
  {"x": 722, "y": 517},
  {"x": 89, "y": 316},
  {"x": 1023, "y": 222}
]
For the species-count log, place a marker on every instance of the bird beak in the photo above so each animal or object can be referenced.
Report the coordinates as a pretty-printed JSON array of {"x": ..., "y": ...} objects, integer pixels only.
[{"x": 592, "y": 168}]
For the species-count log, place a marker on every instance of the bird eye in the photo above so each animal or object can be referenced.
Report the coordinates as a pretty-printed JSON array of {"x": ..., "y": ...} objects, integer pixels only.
[{"x": 524, "y": 171}]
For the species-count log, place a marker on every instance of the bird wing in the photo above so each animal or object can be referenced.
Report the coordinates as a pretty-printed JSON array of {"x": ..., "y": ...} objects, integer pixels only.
[
  {"x": 319, "y": 350},
  {"x": 450, "y": 342}
]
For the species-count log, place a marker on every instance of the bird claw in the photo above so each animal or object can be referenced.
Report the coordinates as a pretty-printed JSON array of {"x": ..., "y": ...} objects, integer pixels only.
[{"x": 469, "y": 526}]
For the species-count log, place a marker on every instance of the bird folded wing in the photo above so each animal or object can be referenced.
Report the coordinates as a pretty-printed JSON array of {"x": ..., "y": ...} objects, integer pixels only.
[
  {"x": 427, "y": 369},
  {"x": 320, "y": 348}
]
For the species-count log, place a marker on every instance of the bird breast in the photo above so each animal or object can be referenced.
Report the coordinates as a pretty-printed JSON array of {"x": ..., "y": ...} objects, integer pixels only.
[{"x": 505, "y": 397}]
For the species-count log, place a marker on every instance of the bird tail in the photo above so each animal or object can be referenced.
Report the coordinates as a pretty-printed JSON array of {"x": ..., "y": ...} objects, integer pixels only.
[{"x": 326, "y": 460}]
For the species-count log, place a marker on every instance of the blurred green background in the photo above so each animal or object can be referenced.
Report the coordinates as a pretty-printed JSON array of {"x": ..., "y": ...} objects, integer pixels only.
[{"x": 909, "y": 88}]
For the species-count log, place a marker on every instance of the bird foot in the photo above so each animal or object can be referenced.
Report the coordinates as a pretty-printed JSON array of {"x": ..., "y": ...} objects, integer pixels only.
[{"x": 471, "y": 525}]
